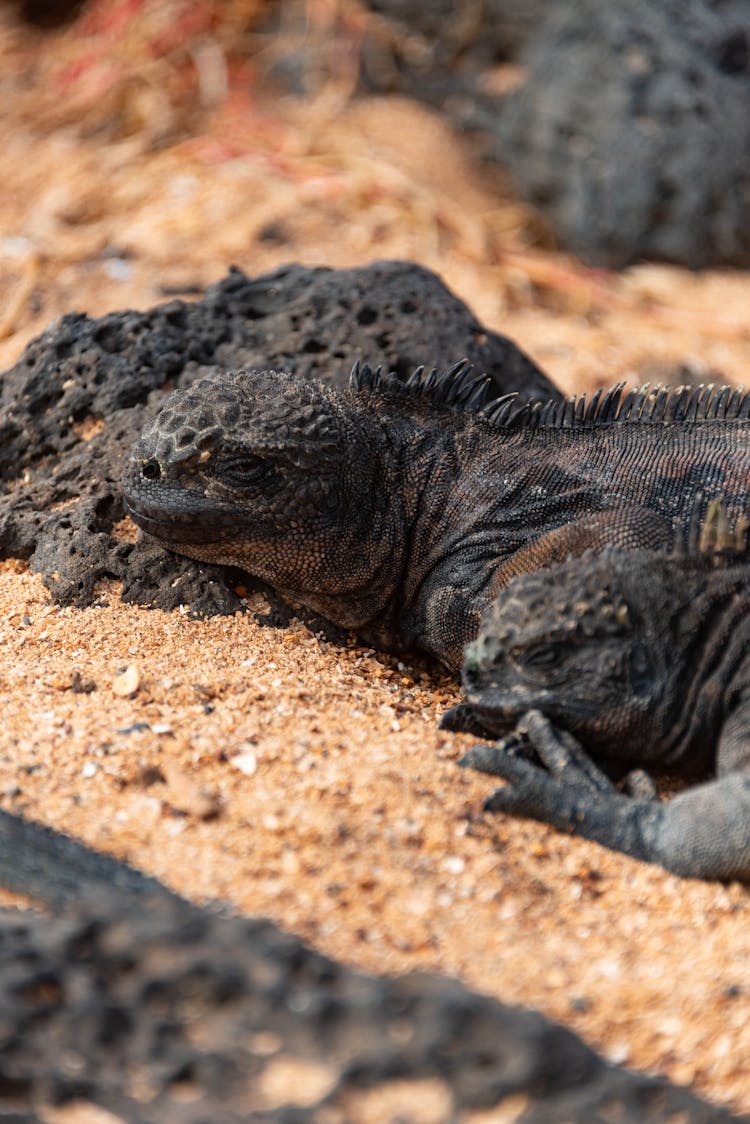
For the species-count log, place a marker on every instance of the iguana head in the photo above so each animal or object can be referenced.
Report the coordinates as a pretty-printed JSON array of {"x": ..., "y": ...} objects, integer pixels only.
[
  {"x": 569, "y": 641},
  {"x": 256, "y": 469}
]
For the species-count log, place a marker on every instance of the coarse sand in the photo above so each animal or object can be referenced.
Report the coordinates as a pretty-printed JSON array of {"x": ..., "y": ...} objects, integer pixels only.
[{"x": 308, "y": 783}]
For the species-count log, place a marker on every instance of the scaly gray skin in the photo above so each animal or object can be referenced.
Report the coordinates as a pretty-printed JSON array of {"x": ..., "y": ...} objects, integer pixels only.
[
  {"x": 400, "y": 510},
  {"x": 642, "y": 658}
]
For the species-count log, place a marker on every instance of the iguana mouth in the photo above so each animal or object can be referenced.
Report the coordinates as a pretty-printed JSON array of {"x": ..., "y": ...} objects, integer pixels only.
[
  {"x": 181, "y": 526},
  {"x": 496, "y": 717},
  {"x": 175, "y": 514}
]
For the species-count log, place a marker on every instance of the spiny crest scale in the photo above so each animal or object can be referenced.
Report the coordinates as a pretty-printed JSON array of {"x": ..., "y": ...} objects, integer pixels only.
[
  {"x": 710, "y": 538},
  {"x": 647, "y": 405},
  {"x": 456, "y": 388}
]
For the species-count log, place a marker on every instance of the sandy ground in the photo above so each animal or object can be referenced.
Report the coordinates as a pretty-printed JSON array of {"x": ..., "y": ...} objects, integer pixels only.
[{"x": 296, "y": 779}]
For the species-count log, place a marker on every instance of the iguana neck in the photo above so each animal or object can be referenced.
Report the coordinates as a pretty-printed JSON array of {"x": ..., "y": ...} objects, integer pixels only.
[
  {"x": 397, "y": 534},
  {"x": 447, "y": 549}
]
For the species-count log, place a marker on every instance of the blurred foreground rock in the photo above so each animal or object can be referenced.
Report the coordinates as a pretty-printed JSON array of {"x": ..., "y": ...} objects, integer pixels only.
[{"x": 135, "y": 1002}]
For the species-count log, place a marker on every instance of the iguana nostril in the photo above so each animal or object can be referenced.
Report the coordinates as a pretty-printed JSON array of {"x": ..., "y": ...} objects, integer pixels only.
[{"x": 151, "y": 469}]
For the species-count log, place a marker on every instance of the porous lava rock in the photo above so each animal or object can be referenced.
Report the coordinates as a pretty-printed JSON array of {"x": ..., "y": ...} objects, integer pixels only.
[
  {"x": 73, "y": 406},
  {"x": 442, "y": 50},
  {"x": 155, "y": 1011},
  {"x": 631, "y": 132}
]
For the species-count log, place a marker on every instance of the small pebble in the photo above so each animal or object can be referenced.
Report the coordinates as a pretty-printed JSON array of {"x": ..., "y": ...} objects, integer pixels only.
[
  {"x": 186, "y": 794},
  {"x": 117, "y": 269},
  {"x": 137, "y": 727},
  {"x": 247, "y": 763},
  {"x": 127, "y": 682}
]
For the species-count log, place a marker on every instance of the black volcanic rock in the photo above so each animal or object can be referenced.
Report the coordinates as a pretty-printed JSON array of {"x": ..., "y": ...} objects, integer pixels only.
[
  {"x": 126, "y": 997},
  {"x": 632, "y": 131},
  {"x": 441, "y": 50}
]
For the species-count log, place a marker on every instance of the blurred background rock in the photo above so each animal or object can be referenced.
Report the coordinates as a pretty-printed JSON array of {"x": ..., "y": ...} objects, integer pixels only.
[{"x": 149, "y": 145}]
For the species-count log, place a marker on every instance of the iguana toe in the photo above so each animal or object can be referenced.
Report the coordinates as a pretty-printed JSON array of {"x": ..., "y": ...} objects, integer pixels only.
[{"x": 492, "y": 758}]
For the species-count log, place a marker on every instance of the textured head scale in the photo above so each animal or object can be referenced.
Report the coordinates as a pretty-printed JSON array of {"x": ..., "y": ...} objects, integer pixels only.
[
  {"x": 275, "y": 411},
  {"x": 559, "y": 640},
  {"x": 191, "y": 422},
  {"x": 573, "y": 599}
]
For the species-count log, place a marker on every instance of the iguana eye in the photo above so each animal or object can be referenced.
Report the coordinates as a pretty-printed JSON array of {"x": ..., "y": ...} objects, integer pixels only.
[
  {"x": 242, "y": 469},
  {"x": 542, "y": 657}
]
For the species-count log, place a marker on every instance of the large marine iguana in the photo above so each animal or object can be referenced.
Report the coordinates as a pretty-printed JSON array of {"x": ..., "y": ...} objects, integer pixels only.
[
  {"x": 643, "y": 658},
  {"x": 400, "y": 508}
]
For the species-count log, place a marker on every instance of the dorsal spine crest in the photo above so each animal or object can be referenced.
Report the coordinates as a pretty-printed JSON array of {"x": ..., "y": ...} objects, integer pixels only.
[{"x": 459, "y": 388}]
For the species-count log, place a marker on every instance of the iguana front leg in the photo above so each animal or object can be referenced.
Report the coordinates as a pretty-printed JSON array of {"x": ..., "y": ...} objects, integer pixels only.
[
  {"x": 463, "y": 719},
  {"x": 622, "y": 528},
  {"x": 490, "y": 758},
  {"x": 702, "y": 833},
  {"x": 566, "y": 758}
]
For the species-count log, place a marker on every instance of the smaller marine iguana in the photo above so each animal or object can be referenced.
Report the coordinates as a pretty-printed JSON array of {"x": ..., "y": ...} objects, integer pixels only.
[
  {"x": 400, "y": 509},
  {"x": 643, "y": 658}
]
